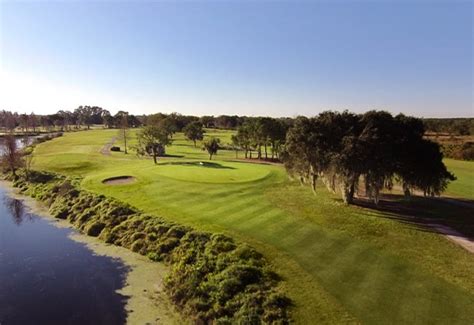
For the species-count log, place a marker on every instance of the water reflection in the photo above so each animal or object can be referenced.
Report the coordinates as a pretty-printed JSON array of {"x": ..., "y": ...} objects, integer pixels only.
[
  {"x": 21, "y": 142},
  {"x": 47, "y": 278},
  {"x": 17, "y": 210}
]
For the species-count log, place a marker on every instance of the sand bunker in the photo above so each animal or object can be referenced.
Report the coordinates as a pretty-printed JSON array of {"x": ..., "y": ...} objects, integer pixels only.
[{"x": 119, "y": 180}]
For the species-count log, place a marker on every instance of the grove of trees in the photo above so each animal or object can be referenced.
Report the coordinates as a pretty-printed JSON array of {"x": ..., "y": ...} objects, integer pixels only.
[
  {"x": 375, "y": 148},
  {"x": 261, "y": 133}
]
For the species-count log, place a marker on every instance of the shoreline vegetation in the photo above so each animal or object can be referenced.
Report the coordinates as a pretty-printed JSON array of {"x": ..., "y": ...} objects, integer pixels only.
[{"x": 211, "y": 278}]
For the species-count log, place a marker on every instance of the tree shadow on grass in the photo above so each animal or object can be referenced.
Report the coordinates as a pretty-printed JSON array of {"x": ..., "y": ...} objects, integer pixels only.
[
  {"x": 420, "y": 212},
  {"x": 78, "y": 167},
  {"x": 172, "y": 156},
  {"x": 205, "y": 164}
]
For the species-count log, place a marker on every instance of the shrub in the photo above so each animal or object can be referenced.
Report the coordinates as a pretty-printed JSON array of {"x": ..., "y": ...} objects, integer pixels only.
[
  {"x": 114, "y": 148},
  {"x": 94, "y": 228}
]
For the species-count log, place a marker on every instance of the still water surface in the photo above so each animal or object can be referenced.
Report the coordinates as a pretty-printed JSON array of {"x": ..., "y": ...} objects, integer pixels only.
[{"x": 48, "y": 278}]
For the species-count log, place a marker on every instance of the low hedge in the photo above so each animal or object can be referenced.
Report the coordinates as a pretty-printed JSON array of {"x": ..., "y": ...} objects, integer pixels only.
[{"x": 212, "y": 278}]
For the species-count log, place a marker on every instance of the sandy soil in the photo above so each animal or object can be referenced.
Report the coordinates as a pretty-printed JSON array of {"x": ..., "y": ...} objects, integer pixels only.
[{"x": 119, "y": 180}]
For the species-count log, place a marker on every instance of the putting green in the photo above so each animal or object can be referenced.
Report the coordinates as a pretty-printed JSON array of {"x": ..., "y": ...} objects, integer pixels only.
[{"x": 211, "y": 172}]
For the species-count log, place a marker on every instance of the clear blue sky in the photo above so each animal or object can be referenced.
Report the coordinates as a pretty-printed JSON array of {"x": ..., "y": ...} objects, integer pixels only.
[{"x": 239, "y": 57}]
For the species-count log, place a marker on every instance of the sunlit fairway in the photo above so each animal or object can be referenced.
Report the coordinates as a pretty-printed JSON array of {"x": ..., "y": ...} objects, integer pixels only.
[
  {"x": 463, "y": 187},
  {"x": 340, "y": 263}
]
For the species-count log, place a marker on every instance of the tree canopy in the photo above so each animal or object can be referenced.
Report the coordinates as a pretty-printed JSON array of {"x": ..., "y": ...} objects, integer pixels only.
[
  {"x": 344, "y": 148},
  {"x": 152, "y": 139},
  {"x": 194, "y": 131},
  {"x": 212, "y": 145}
]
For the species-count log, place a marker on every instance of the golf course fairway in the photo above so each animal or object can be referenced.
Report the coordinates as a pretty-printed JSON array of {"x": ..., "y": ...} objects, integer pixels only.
[{"x": 340, "y": 264}]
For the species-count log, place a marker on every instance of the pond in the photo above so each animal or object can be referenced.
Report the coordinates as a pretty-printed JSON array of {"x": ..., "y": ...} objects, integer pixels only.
[
  {"x": 45, "y": 277},
  {"x": 20, "y": 142},
  {"x": 48, "y": 277}
]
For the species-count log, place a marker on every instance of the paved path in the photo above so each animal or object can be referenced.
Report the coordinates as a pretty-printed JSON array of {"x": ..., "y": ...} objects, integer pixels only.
[
  {"x": 106, "y": 149},
  {"x": 454, "y": 236}
]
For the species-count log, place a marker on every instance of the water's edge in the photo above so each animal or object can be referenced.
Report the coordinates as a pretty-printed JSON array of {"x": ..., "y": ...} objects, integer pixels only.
[{"x": 147, "y": 303}]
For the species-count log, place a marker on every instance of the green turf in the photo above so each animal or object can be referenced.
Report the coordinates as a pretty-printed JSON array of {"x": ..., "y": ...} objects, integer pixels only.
[
  {"x": 341, "y": 263},
  {"x": 463, "y": 187}
]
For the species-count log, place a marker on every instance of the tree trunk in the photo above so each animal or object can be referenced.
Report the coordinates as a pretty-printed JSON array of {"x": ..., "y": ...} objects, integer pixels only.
[
  {"x": 154, "y": 156},
  {"x": 406, "y": 191},
  {"x": 347, "y": 192},
  {"x": 125, "y": 143},
  {"x": 246, "y": 153},
  {"x": 194, "y": 143},
  {"x": 210, "y": 156},
  {"x": 351, "y": 193},
  {"x": 376, "y": 196},
  {"x": 314, "y": 178},
  {"x": 236, "y": 154},
  {"x": 266, "y": 156}
]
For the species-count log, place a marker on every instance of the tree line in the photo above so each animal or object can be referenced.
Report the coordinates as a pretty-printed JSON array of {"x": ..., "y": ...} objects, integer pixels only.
[
  {"x": 86, "y": 116},
  {"x": 342, "y": 149},
  {"x": 81, "y": 117},
  {"x": 452, "y": 126}
]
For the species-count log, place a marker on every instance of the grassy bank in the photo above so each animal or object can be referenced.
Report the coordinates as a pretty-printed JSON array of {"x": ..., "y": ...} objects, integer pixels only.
[
  {"x": 212, "y": 278},
  {"x": 340, "y": 263}
]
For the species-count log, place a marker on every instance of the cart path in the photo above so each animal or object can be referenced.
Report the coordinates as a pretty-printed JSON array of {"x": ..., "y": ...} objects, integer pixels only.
[
  {"x": 454, "y": 236},
  {"x": 106, "y": 148}
]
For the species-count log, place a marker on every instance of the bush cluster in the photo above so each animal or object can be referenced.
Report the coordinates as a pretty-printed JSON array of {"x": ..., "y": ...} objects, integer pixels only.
[
  {"x": 114, "y": 148},
  {"x": 463, "y": 151},
  {"x": 212, "y": 278},
  {"x": 47, "y": 137}
]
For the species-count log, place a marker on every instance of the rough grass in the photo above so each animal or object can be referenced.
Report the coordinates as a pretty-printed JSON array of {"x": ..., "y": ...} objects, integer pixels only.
[{"x": 340, "y": 264}]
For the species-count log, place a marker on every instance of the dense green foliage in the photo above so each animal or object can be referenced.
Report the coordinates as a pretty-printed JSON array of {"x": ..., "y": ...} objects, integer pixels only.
[
  {"x": 211, "y": 145},
  {"x": 342, "y": 148},
  {"x": 153, "y": 139},
  {"x": 212, "y": 278},
  {"x": 261, "y": 132},
  {"x": 194, "y": 131}
]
